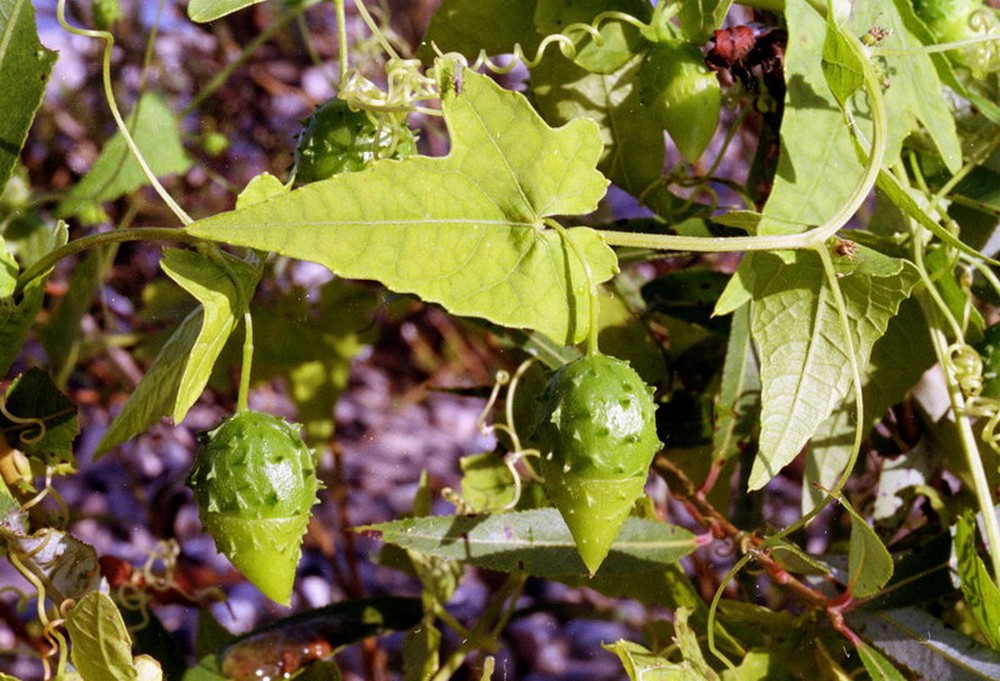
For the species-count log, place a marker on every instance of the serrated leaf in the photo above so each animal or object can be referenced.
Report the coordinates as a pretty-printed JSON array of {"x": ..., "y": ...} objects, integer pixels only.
[
  {"x": 981, "y": 593},
  {"x": 223, "y": 284},
  {"x": 879, "y": 668},
  {"x": 115, "y": 172},
  {"x": 869, "y": 565},
  {"x": 203, "y": 11},
  {"x": 898, "y": 360},
  {"x": 457, "y": 26},
  {"x": 804, "y": 368},
  {"x": 466, "y": 230},
  {"x": 39, "y": 420},
  {"x": 634, "y": 149},
  {"x": 102, "y": 648},
  {"x": 818, "y": 168},
  {"x": 924, "y": 645},
  {"x": 535, "y": 542},
  {"x": 25, "y": 66},
  {"x": 915, "y": 96}
]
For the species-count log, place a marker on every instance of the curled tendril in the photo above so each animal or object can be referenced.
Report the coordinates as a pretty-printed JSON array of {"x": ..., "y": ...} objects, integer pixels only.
[
  {"x": 565, "y": 41},
  {"x": 511, "y": 459},
  {"x": 23, "y": 436},
  {"x": 62, "y": 508},
  {"x": 967, "y": 366},
  {"x": 985, "y": 54}
]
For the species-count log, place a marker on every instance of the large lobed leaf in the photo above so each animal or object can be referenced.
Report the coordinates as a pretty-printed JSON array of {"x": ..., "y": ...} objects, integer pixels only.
[
  {"x": 24, "y": 68},
  {"x": 536, "y": 542},
  {"x": 804, "y": 365},
  {"x": 466, "y": 230}
]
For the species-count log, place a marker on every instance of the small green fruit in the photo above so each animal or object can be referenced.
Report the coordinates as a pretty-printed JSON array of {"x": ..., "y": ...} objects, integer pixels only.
[
  {"x": 683, "y": 93},
  {"x": 254, "y": 481},
  {"x": 336, "y": 139},
  {"x": 597, "y": 433}
]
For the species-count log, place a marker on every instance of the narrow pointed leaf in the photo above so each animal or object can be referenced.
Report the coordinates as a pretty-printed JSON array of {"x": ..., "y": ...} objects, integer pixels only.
[
  {"x": 223, "y": 286},
  {"x": 869, "y": 565},
  {"x": 202, "y": 11},
  {"x": 536, "y": 542},
  {"x": 466, "y": 230},
  {"x": 980, "y": 591},
  {"x": 917, "y": 642},
  {"x": 879, "y": 668},
  {"x": 25, "y": 66}
]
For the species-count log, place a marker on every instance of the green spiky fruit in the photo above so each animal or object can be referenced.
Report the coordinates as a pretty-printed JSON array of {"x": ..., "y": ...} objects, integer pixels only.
[
  {"x": 597, "y": 433},
  {"x": 254, "y": 481},
  {"x": 336, "y": 139},
  {"x": 683, "y": 93}
]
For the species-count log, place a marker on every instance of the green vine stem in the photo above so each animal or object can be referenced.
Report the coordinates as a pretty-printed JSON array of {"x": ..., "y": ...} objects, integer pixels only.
[
  {"x": 48, "y": 261},
  {"x": 973, "y": 458},
  {"x": 109, "y": 42},
  {"x": 342, "y": 46},
  {"x": 243, "y": 398}
]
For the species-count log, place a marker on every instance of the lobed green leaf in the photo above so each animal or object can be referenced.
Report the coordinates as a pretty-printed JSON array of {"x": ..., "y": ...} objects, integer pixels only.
[{"x": 466, "y": 230}]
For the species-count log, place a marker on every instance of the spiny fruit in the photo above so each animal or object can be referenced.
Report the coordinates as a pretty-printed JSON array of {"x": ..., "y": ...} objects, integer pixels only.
[
  {"x": 254, "y": 481},
  {"x": 597, "y": 433},
  {"x": 683, "y": 93},
  {"x": 336, "y": 139}
]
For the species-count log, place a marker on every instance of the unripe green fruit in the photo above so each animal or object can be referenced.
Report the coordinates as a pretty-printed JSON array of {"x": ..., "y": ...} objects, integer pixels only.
[
  {"x": 597, "y": 433},
  {"x": 683, "y": 93},
  {"x": 336, "y": 139},
  {"x": 254, "y": 481}
]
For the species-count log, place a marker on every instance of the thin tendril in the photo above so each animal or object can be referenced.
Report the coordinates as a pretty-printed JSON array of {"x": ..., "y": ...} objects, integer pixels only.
[{"x": 109, "y": 42}]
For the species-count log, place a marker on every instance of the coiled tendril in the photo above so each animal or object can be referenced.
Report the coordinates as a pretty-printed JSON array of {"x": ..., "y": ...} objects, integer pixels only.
[{"x": 967, "y": 366}]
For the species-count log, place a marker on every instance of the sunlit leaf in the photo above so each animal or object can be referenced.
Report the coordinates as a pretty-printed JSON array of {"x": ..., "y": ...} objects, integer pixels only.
[
  {"x": 536, "y": 542},
  {"x": 818, "y": 169},
  {"x": 700, "y": 17},
  {"x": 102, "y": 648},
  {"x": 915, "y": 94},
  {"x": 898, "y": 360},
  {"x": 634, "y": 147},
  {"x": 805, "y": 371},
  {"x": 465, "y": 230},
  {"x": 210, "y": 10},
  {"x": 223, "y": 285}
]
